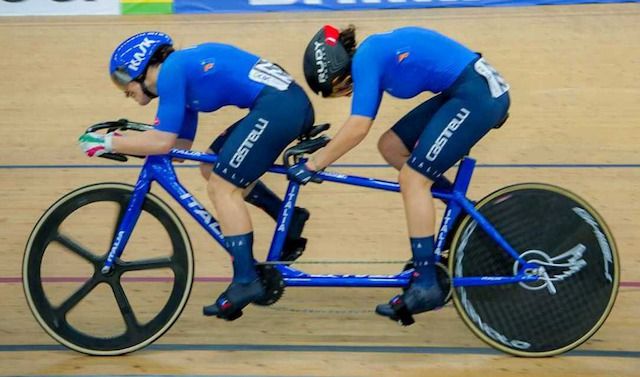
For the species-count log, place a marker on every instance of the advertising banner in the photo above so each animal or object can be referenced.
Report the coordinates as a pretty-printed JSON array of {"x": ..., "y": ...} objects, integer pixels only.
[
  {"x": 147, "y": 6},
  {"x": 58, "y": 7},
  {"x": 228, "y": 6}
]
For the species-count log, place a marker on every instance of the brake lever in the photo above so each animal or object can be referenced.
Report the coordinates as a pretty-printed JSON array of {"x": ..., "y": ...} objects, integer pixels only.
[
  {"x": 115, "y": 156},
  {"x": 119, "y": 125}
]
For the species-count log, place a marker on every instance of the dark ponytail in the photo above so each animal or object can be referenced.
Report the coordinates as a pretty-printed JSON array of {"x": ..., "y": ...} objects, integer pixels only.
[
  {"x": 161, "y": 54},
  {"x": 348, "y": 39}
]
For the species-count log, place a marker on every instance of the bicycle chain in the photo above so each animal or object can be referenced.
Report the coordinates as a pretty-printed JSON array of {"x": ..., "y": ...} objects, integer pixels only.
[
  {"x": 327, "y": 311},
  {"x": 335, "y": 262},
  {"x": 318, "y": 311}
]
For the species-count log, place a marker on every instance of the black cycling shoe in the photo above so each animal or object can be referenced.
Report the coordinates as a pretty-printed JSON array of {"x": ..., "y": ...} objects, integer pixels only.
[
  {"x": 294, "y": 244},
  {"x": 231, "y": 302},
  {"x": 416, "y": 299}
]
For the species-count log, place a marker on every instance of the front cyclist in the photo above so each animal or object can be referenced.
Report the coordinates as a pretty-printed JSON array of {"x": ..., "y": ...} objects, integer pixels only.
[
  {"x": 471, "y": 99},
  {"x": 204, "y": 78}
]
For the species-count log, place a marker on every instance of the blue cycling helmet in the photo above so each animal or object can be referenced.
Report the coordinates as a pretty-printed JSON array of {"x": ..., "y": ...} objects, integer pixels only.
[{"x": 131, "y": 58}]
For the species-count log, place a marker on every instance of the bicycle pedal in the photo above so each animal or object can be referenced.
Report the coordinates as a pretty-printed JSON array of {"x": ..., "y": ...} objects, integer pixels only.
[
  {"x": 396, "y": 311},
  {"x": 214, "y": 311},
  {"x": 231, "y": 316},
  {"x": 402, "y": 314},
  {"x": 406, "y": 320}
]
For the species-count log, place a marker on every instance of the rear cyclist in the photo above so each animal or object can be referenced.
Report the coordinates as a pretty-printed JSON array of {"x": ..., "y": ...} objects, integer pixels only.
[
  {"x": 204, "y": 78},
  {"x": 471, "y": 99}
]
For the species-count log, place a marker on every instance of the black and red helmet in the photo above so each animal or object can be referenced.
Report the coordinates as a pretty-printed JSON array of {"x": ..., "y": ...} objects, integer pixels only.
[{"x": 325, "y": 59}]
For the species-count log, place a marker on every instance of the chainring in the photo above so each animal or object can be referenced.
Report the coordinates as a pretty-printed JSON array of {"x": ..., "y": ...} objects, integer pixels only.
[{"x": 273, "y": 284}]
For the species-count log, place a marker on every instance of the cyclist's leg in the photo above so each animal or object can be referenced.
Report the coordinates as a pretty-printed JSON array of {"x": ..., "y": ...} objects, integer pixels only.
[
  {"x": 261, "y": 196},
  {"x": 247, "y": 153},
  {"x": 462, "y": 120},
  {"x": 396, "y": 144},
  {"x": 215, "y": 147},
  {"x": 424, "y": 293}
]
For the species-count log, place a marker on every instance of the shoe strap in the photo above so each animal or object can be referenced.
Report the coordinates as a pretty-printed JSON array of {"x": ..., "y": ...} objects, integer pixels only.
[{"x": 401, "y": 311}]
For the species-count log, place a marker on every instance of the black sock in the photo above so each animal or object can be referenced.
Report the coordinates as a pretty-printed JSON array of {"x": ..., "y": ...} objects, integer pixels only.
[{"x": 262, "y": 197}]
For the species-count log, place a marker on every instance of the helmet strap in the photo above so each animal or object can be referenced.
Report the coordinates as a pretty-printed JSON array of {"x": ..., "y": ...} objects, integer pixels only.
[
  {"x": 144, "y": 87},
  {"x": 148, "y": 92}
]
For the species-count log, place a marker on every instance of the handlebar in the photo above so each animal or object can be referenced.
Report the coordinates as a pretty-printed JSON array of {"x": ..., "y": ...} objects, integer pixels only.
[
  {"x": 118, "y": 125},
  {"x": 310, "y": 142}
]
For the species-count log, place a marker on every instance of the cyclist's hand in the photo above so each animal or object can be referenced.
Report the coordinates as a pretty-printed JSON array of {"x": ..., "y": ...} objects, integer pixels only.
[
  {"x": 95, "y": 144},
  {"x": 300, "y": 173}
]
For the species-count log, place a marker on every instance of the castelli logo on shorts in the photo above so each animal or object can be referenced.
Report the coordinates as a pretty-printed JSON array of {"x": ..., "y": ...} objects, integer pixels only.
[
  {"x": 156, "y": 121},
  {"x": 139, "y": 56},
  {"x": 247, "y": 144},
  {"x": 446, "y": 134}
]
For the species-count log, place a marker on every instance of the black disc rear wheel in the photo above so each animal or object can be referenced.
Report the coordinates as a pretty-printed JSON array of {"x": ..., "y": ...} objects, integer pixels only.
[{"x": 560, "y": 232}]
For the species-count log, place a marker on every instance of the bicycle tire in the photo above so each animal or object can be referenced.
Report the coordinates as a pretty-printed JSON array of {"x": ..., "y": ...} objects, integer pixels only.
[
  {"x": 558, "y": 229},
  {"x": 53, "y": 319}
]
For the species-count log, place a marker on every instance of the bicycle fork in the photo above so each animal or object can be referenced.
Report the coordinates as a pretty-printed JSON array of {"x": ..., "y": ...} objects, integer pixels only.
[{"x": 128, "y": 221}]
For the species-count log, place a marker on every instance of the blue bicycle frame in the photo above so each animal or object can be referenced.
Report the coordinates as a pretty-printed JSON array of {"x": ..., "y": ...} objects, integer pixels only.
[{"x": 160, "y": 169}]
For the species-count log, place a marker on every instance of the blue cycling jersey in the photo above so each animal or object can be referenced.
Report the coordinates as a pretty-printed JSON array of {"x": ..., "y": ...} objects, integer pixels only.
[
  {"x": 205, "y": 78},
  {"x": 404, "y": 63}
]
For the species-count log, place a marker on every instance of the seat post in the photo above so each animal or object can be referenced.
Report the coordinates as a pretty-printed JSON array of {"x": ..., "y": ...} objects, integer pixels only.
[{"x": 463, "y": 176}]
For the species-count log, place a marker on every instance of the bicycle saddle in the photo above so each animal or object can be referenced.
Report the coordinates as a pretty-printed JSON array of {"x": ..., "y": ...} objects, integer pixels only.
[
  {"x": 314, "y": 131},
  {"x": 309, "y": 143}
]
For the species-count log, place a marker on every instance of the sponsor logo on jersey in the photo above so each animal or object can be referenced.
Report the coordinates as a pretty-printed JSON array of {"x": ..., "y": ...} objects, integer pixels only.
[
  {"x": 207, "y": 67},
  {"x": 402, "y": 57}
]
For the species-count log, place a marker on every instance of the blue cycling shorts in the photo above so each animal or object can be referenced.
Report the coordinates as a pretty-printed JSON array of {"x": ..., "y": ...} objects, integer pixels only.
[
  {"x": 442, "y": 130},
  {"x": 248, "y": 148}
]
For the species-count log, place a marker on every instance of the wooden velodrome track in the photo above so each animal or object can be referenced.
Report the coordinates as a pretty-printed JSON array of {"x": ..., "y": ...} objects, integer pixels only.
[{"x": 574, "y": 122}]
